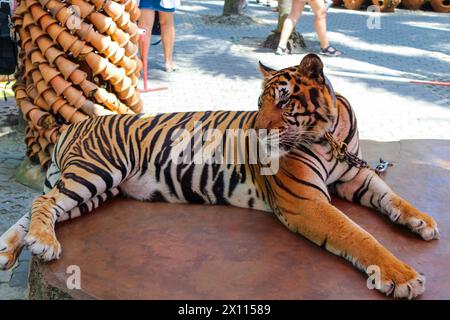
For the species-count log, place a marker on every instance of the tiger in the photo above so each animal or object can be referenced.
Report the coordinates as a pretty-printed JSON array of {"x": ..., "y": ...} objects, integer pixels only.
[{"x": 99, "y": 158}]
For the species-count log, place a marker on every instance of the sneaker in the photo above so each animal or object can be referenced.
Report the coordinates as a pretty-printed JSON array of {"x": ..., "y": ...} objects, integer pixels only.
[
  {"x": 330, "y": 52},
  {"x": 281, "y": 51}
]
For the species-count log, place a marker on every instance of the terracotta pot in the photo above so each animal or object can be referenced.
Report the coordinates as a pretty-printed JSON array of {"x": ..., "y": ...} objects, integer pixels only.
[
  {"x": 98, "y": 4},
  {"x": 72, "y": 95},
  {"x": 21, "y": 8},
  {"x": 84, "y": 31},
  {"x": 132, "y": 8},
  {"x": 20, "y": 94},
  {"x": 100, "y": 21},
  {"x": 44, "y": 43},
  {"x": 99, "y": 41},
  {"x": 353, "y": 4},
  {"x": 85, "y": 8},
  {"x": 47, "y": 21},
  {"x": 78, "y": 76},
  {"x": 51, "y": 134},
  {"x": 132, "y": 101},
  {"x": 128, "y": 64},
  {"x": 59, "y": 102},
  {"x": 43, "y": 143},
  {"x": 30, "y": 3},
  {"x": 65, "y": 66},
  {"x": 50, "y": 96},
  {"x": 24, "y": 36},
  {"x": 138, "y": 107},
  {"x": 132, "y": 30},
  {"x": 78, "y": 116},
  {"x": 34, "y": 149},
  {"x": 54, "y": 31},
  {"x": 36, "y": 76},
  {"x": 27, "y": 20},
  {"x": 52, "y": 54},
  {"x": 43, "y": 2},
  {"x": 412, "y": 4},
  {"x": 386, "y": 5},
  {"x": 88, "y": 87},
  {"x": 63, "y": 15},
  {"x": 35, "y": 32},
  {"x": 114, "y": 52},
  {"x": 44, "y": 159},
  {"x": 40, "y": 102},
  {"x": 37, "y": 116},
  {"x": 123, "y": 21},
  {"x": 85, "y": 50},
  {"x": 32, "y": 92},
  {"x": 67, "y": 111},
  {"x": 59, "y": 85},
  {"x": 80, "y": 103},
  {"x": 440, "y": 5},
  {"x": 131, "y": 50},
  {"x": 77, "y": 48},
  {"x": 17, "y": 21},
  {"x": 26, "y": 106},
  {"x": 134, "y": 80},
  {"x": 54, "y": 6},
  {"x": 29, "y": 49},
  {"x": 113, "y": 9},
  {"x": 37, "y": 12},
  {"x": 37, "y": 57},
  {"x": 96, "y": 63},
  {"x": 48, "y": 73},
  {"x": 120, "y": 37},
  {"x": 66, "y": 40},
  {"x": 113, "y": 74},
  {"x": 29, "y": 67}
]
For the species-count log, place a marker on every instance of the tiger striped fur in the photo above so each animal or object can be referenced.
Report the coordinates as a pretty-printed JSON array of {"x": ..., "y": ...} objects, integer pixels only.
[{"x": 96, "y": 158}]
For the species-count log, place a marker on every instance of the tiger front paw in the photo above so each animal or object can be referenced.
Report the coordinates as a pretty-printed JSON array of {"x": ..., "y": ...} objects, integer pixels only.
[
  {"x": 10, "y": 247},
  {"x": 402, "y": 282},
  {"x": 415, "y": 220},
  {"x": 43, "y": 243}
]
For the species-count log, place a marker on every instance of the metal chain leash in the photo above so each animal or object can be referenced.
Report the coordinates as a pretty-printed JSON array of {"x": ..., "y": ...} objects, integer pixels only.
[{"x": 340, "y": 152}]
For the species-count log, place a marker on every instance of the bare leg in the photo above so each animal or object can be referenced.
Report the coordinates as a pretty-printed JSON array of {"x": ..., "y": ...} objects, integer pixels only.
[
  {"x": 167, "y": 37},
  {"x": 146, "y": 21},
  {"x": 320, "y": 21},
  {"x": 290, "y": 22},
  {"x": 368, "y": 189}
]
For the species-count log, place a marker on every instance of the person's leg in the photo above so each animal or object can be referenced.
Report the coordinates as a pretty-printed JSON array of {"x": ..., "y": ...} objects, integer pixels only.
[
  {"x": 146, "y": 21},
  {"x": 290, "y": 22},
  {"x": 167, "y": 37},
  {"x": 320, "y": 23}
]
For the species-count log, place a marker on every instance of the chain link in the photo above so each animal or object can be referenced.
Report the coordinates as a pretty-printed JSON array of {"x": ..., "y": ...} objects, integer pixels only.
[{"x": 340, "y": 152}]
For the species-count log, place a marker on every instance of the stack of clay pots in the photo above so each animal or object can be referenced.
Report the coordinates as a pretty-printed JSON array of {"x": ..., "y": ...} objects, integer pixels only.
[
  {"x": 78, "y": 59},
  {"x": 390, "y": 5}
]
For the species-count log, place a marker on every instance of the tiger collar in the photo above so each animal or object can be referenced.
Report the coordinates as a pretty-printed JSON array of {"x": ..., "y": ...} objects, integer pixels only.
[{"x": 340, "y": 152}]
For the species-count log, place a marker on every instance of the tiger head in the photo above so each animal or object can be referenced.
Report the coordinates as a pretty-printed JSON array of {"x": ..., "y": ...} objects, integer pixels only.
[{"x": 299, "y": 101}]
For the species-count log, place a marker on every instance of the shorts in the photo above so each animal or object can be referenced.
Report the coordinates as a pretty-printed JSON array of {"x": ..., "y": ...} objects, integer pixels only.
[{"x": 154, "y": 5}]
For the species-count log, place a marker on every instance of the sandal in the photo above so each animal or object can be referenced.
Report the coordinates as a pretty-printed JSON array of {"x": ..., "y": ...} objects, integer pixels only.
[
  {"x": 330, "y": 52},
  {"x": 281, "y": 51}
]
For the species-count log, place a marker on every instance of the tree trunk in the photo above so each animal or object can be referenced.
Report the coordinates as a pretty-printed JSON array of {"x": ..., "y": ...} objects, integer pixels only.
[
  {"x": 295, "y": 44},
  {"x": 232, "y": 7}
]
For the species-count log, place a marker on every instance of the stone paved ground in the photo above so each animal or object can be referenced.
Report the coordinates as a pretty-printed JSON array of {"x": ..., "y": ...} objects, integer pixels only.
[{"x": 218, "y": 71}]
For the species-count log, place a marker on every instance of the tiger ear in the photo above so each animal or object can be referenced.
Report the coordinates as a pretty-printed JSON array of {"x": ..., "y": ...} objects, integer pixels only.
[
  {"x": 266, "y": 71},
  {"x": 311, "y": 67}
]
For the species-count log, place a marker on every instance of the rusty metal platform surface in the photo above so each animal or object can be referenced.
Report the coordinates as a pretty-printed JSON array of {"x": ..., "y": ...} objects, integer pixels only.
[{"x": 135, "y": 250}]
